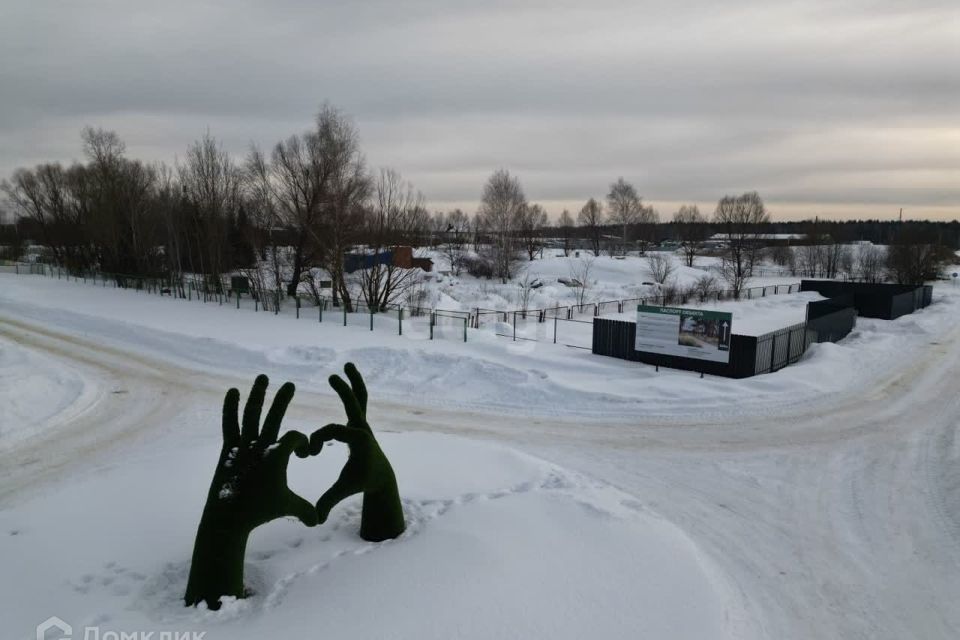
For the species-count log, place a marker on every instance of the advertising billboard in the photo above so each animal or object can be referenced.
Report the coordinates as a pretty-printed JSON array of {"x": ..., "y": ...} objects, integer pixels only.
[{"x": 689, "y": 333}]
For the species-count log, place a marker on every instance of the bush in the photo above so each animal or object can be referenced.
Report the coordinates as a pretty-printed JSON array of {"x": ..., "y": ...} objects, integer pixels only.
[
  {"x": 479, "y": 266},
  {"x": 705, "y": 287},
  {"x": 672, "y": 294}
]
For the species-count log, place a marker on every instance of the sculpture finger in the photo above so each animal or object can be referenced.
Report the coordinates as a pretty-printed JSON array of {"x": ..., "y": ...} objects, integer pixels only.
[
  {"x": 350, "y": 403},
  {"x": 231, "y": 427},
  {"x": 251, "y": 411},
  {"x": 293, "y": 442},
  {"x": 301, "y": 508},
  {"x": 271, "y": 426},
  {"x": 337, "y": 432},
  {"x": 340, "y": 490},
  {"x": 358, "y": 385}
]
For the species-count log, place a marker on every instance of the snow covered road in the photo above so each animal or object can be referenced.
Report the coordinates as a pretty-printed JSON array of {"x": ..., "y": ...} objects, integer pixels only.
[{"x": 836, "y": 517}]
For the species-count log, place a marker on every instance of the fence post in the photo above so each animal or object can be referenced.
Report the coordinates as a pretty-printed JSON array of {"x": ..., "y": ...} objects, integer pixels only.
[
  {"x": 238, "y": 299},
  {"x": 431, "y": 324},
  {"x": 554, "y": 329},
  {"x": 465, "y": 329},
  {"x": 400, "y": 320},
  {"x": 514, "y": 326},
  {"x": 371, "y": 318},
  {"x": 297, "y": 298},
  {"x": 773, "y": 351},
  {"x": 344, "y": 314},
  {"x": 276, "y": 302},
  {"x": 320, "y": 309}
]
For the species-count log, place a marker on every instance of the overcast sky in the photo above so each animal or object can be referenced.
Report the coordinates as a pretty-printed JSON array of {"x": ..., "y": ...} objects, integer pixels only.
[{"x": 826, "y": 108}]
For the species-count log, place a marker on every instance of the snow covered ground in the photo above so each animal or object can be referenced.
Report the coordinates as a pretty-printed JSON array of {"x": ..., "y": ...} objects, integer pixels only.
[
  {"x": 550, "y": 493},
  {"x": 609, "y": 279}
]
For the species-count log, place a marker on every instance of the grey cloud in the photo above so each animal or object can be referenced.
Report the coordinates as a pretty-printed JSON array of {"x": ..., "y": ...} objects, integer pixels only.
[{"x": 687, "y": 99}]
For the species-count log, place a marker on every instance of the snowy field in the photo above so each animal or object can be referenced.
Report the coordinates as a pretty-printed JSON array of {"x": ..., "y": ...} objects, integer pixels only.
[
  {"x": 609, "y": 279},
  {"x": 548, "y": 492}
]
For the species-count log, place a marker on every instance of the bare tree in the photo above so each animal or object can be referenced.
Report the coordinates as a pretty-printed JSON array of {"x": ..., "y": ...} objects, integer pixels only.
[
  {"x": 531, "y": 221},
  {"x": 293, "y": 186},
  {"x": 393, "y": 219},
  {"x": 661, "y": 267},
  {"x": 783, "y": 256},
  {"x": 647, "y": 228},
  {"x": 916, "y": 256},
  {"x": 525, "y": 283},
  {"x": 117, "y": 196},
  {"x": 437, "y": 229},
  {"x": 456, "y": 234},
  {"x": 478, "y": 228},
  {"x": 706, "y": 286},
  {"x": 591, "y": 219},
  {"x": 742, "y": 219},
  {"x": 267, "y": 274},
  {"x": 833, "y": 255},
  {"x": 624, "y": 206},
  {"x": 347, "y": 191},
  {"x": 692, "y": 231},
  {"x": 502, "y": 206},
  {"x": 211, "y": 186},
  {"x": 809, "y": 260},
  {"x": 580, "y": 271},
  {"x": 565, "y": 227},
  {"x": 171, "y": 212},
  {"x": 870, "y": 264},
  {"x": 43, "y": 195}
]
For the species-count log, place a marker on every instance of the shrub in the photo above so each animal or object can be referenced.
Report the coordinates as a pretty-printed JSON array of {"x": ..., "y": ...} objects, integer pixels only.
[{"x": 479, "y": 266}]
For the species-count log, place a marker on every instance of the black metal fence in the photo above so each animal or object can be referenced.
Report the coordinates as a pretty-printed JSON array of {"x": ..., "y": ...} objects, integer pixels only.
[
  {"x": 875, "y": 300},
  {"x": 827, "y": 321},
  {"x": 832, "y": 319},
  {"x": 616, "y": 338},
  {"x": 777, "y": 349}
]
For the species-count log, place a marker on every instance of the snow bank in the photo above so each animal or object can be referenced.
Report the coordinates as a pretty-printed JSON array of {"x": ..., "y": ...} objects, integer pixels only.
[{"x": 488, "y": 373}]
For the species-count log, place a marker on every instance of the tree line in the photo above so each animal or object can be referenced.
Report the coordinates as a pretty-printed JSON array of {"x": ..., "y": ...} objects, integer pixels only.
[{"x": 281, "y": 214}]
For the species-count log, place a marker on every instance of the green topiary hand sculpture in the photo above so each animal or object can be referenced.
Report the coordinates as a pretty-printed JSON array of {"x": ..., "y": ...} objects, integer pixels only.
[
  {"x": 367, "y": 469},
  {"x": 249, "y": 488}
]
